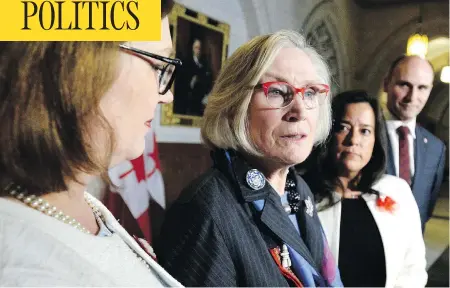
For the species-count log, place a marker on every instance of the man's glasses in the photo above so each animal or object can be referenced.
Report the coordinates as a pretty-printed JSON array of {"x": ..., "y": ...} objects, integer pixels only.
[
  {"x": 281, "y": 94},
  {"x": 166, "y": 74}
]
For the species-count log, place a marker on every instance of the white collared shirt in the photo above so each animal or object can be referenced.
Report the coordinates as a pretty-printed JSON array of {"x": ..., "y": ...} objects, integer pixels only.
[
  {"x": 196, "y": 60},
  {"x": 392, "y": 124}
]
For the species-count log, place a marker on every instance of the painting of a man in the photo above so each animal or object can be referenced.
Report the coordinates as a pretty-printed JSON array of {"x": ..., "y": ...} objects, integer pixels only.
[
  {"x": 197, "y": 80},
  {"x": 202, "y": 44}
]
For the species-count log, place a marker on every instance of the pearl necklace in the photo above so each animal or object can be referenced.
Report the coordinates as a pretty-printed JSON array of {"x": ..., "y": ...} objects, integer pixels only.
[{"x": 43, "y": 206}]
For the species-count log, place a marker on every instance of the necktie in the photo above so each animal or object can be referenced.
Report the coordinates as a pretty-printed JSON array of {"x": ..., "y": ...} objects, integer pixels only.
[{"x": 404, "y": 167}]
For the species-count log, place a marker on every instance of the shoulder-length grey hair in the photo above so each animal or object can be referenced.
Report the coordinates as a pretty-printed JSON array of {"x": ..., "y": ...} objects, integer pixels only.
[{"x": 225, "y": 121}]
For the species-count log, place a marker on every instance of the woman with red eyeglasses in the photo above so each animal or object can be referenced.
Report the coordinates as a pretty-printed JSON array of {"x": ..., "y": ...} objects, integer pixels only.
[
  {"x": 68, "y": 112},
  {"x": 250, "y": 220}
]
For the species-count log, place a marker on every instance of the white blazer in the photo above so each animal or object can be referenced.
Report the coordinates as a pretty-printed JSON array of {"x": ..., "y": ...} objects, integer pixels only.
[{"x": 400, "y": 231}]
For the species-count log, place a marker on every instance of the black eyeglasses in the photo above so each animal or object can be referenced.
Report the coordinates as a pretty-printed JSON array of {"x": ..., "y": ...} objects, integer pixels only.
[{"x": 166, "y": 73}]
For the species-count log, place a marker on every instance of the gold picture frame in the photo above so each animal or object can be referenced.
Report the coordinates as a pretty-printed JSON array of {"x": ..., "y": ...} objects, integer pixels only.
[{"x": 190, "y": 30}]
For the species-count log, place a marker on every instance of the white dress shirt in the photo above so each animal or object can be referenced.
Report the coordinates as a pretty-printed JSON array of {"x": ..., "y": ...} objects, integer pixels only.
[
  {"x": 197, "y": 61},
  {"x": 392, "y": 124}
]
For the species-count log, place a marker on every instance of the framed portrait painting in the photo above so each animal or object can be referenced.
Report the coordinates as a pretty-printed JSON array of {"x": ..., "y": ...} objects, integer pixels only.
[{"x": 202, "y": 44}]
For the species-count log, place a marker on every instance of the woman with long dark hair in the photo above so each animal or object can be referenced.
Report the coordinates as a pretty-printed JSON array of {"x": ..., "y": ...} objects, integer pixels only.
[{"x": 371, "y": 219}]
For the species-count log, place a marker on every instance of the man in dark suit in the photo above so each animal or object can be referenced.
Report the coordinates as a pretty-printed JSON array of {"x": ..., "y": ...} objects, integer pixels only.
[
  {"x": 195, "y": 83},
  {"x": 414, "y": 154}
]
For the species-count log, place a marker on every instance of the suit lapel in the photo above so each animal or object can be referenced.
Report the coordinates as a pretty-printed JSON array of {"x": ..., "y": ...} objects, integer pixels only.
[
  {"x": 331, "y": 223},
  {"x": 272, "y": 214},
  {"x": 283, "y": 228},
  {"x": 309, "y": 224},
  {"x": 420, "y": 149},
  {"x": 386, "y": 223}
]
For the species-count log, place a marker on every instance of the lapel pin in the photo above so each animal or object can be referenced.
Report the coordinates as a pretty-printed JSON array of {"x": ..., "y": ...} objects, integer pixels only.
[
  {"x": 309, "y": 207},
  {"x": 255, "y": 179},
  {"x": 425, "y": 140},
  {"x": 285, "y": 259}
]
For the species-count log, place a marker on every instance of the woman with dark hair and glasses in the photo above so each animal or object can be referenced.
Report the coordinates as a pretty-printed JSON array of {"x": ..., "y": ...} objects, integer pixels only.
[
  {"x": 371, "y": 219},
  {"x": 68, "y": 112},
  {"x": 250, "y": 220}
]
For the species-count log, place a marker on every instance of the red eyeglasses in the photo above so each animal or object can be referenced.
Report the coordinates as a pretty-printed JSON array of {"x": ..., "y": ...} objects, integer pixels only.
[{"x": 281, "y": 94}]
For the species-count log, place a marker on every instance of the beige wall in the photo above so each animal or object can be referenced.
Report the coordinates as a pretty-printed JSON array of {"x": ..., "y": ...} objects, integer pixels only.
[{"x": 383, "y": 33}]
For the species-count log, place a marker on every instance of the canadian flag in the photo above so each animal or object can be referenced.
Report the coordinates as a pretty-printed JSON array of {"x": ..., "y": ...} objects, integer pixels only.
[{"x": 139, "y": 182}]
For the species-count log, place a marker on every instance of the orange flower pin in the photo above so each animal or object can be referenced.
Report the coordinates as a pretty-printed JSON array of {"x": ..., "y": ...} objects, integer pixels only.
[{"x": 386, "y": 203}]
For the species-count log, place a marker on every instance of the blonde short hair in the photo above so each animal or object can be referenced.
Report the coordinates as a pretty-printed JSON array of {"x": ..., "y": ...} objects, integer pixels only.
[{"x": 225, "y": 122}]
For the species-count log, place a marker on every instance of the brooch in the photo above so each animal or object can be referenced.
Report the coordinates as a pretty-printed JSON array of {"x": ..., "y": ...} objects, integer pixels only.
[
  {"x": 255, "y": 179},
  {"x": 386, "y": 203},
  {"x": 285, "y": 257},
  {"x": 309, "y": 207}
]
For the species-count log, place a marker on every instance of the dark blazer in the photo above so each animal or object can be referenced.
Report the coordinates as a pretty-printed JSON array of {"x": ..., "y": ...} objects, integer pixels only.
[
  {"x": 429, "y": 161},
  {"x": 213, "y": 235}
]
